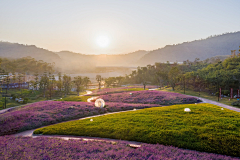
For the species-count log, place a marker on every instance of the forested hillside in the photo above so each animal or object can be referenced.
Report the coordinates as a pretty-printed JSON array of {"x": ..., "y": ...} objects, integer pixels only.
[{"x": 205, "y": 48}]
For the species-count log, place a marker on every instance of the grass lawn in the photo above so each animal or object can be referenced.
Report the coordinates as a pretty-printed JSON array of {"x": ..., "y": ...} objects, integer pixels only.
[
  {"x": 33, "y": 96},
  {"x": 203, "y": 95},
  {"x": 206, "y": 128}
]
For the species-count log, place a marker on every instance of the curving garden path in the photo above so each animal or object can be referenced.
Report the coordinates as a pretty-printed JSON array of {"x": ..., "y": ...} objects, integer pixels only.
[
  {"x": 29, "y": 133},
  {"x": 134, "y": 144},
  {"x": 204, "y": 100}
]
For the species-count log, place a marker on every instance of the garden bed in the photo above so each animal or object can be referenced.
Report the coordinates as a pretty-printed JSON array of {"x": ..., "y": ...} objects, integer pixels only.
[
  {"x": 206, "y": 128},
  {"x": 54, "y": 148},
  {"x": 50, "y": 112},
  {"x": 150, "y": 97}
]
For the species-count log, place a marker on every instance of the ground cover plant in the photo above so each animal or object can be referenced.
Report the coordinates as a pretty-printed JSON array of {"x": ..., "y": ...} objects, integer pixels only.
[
  {"x": 206, "y": 128},
  {"x": 120, "y": 90},
  {"x": 54, "y": 148},
  {"x": 150, "y": 97},
  {"x": 50, "y": 112}
]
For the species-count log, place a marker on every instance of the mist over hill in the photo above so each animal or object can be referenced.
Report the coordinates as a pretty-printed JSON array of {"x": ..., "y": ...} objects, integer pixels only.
[
  {"x": 66, "y": 61},
  {"x": 203, "y": 49},
  {"x": 129, "y": 59}
]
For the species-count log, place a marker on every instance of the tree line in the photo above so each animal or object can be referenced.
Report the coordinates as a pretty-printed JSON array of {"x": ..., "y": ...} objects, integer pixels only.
[
  {"x": 198, "y": 75},
  {"x": 48, "y": 85}
]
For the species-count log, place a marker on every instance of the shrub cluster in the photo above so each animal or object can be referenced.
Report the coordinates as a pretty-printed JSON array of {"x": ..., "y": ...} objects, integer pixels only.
[
  {"x": 56, "y": 149},
  {"x": 150, "y": 97},
  {"x": 236, "y": 103}
]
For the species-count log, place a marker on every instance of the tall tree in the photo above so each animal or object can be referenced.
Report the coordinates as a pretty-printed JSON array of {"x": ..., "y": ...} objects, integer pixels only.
[
  {"x": 86, "y": 81},
  {"x": 60, "y": 83},
  {"x": 99, "y": 79},
  {"x": 44, "y": 83},
  {"x": 35, "y": 84},
  {"x": 66, "y": 84},
  {"x": 173, "y": 75},
  {"x": 78, "y": 81}
]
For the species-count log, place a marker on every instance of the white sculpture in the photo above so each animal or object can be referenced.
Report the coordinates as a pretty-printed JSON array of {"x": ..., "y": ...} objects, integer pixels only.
[
  {"x": 99, "y": 103},
  {"x": 187, "y": 110}
]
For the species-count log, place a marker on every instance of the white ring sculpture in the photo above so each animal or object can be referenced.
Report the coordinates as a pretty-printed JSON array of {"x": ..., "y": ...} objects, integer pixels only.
[{"x": 99, "y": 103}]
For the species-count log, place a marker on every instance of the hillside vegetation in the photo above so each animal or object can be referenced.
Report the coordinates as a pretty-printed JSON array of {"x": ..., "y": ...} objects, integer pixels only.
[{"x": 203, "y": 49}]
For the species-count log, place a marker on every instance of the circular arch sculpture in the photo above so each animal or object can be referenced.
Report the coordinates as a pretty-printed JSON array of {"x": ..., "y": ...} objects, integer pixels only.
[{"x": 100, "y": 103}]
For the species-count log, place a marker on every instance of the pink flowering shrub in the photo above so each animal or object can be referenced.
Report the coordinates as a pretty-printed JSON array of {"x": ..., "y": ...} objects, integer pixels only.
[
  {"x": 149, "y": 97},
  {"x": 57, "y": 149}
]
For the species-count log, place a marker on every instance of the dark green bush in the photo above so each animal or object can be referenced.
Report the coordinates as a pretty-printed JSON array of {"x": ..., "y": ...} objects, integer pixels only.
[
  {"x": 25, "y": 100},
  {"x": 225, "y": 92},
  {"x": 236, "y": 103},
  {"x": 13, "y": 96}
]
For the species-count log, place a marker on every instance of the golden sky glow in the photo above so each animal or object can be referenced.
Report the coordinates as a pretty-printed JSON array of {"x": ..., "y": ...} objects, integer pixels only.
[{"x": 129, "y": 25}]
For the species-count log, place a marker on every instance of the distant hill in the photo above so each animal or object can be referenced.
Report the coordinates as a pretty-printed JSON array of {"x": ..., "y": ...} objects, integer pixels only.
[
  {"x": 203, "y": 49},
  {"x": 15, "y": 50},
  {"x": 67, "y": 61}
]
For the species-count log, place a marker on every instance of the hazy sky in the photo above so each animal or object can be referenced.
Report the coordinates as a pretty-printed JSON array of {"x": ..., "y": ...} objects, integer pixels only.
[{"x": 130, "y": 25}]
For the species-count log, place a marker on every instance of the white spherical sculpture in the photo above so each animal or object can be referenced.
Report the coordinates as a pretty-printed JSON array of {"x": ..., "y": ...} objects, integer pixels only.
[
  {"x": 99, "y": 103},
  {"x": 187, "y": 110}
]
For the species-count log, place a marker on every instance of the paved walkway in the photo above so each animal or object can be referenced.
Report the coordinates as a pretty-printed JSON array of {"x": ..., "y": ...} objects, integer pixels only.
[
  {"x": 219, "y": 104},
  {"x": 29, "y": 133},
  {"x": 133, "y": 144},
  {"x": 7, "y": 109}
]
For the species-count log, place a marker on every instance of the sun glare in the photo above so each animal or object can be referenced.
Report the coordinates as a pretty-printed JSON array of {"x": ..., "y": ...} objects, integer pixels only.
[{"x": 102, "y": 41}]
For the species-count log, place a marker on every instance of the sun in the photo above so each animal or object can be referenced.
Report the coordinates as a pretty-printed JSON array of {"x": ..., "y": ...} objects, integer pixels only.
[{"x": 102, "y": 41}]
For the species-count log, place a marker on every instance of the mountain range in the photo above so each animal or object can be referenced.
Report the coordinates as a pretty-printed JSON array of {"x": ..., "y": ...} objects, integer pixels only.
[
  {"x": 205, "y": 48},
  {"x": 69, "y": 61}
]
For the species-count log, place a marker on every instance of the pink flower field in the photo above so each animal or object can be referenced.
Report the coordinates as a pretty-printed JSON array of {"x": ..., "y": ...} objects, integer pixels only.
[
  {"x": 149, "y": 97},
  {"x": 58, "y": 149}
]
